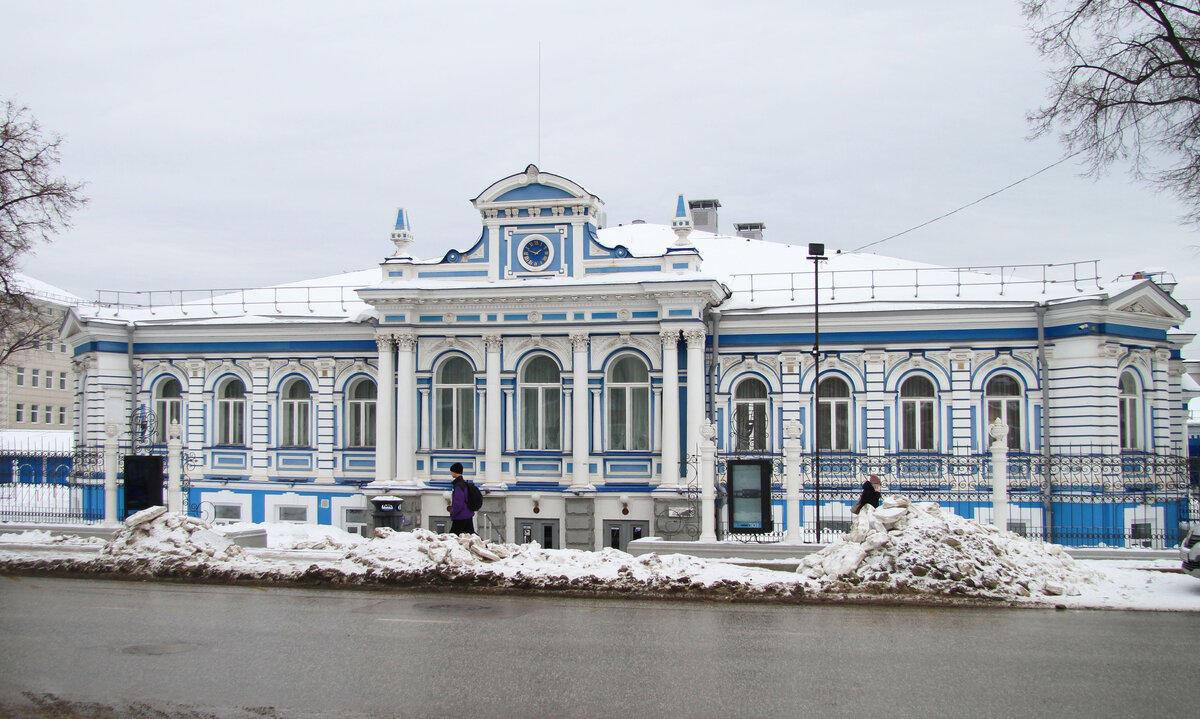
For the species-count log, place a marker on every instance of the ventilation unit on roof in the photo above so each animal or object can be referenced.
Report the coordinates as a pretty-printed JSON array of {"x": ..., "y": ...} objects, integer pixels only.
[
  {"x": 752, "y": 230},
  {"x": 704, "y": 214}
]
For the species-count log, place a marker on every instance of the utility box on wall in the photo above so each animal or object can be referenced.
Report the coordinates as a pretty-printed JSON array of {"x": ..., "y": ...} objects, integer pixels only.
[{"x": 749, "y": 496}]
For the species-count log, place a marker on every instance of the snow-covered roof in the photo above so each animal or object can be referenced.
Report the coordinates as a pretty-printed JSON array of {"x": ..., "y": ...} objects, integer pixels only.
[
  {"x": 44, "y": 290},
  {"x": 763, "y": 276}
]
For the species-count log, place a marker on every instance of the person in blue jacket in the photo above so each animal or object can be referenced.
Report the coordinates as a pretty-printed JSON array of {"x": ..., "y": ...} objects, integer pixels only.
[{"x": 462, "y": 519}]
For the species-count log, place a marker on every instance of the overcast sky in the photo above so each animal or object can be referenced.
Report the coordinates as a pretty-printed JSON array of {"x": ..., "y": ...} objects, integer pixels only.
[{"x": 246, "y": 144}]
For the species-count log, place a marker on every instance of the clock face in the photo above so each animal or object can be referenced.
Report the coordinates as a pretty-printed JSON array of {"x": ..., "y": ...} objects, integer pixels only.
[{"x": 535, "y": 253}]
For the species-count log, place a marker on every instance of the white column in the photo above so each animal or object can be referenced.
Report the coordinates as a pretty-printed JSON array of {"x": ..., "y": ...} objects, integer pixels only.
[
  {"x": 112, "y": 431},
  {"x": 695, "y": 387},
  {"x": 706, "y": 435},
  {"x": 580, "y": 455},
  {"x": 791, "y": 481},
  {"x": 323, "y": 412},
  {"x": 999, "y": 432},
  {"x": 175, "y": 501},
  {"x": 492, "y": 437},
  {"x": 384, "y": 412},
  {"x": 670, "y": 407},
  {"x": 406, "y": 409}
]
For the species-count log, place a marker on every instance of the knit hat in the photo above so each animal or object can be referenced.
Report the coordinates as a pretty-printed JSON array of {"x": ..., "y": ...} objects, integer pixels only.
[{"x": 456, "y": 468}]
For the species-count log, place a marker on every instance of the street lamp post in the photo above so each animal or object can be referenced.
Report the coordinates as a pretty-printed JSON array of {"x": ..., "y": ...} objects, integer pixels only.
[{"x": 816, "y": 253}]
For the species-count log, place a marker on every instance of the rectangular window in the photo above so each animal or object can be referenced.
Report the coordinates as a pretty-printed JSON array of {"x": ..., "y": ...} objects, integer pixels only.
[
  {"x": 20, "y": 415},
  {"x": 62, "y": 415},
  {"x": 356, "y": 521},
  {"x": 227, "y": 513},
  {"x": 62, "y": 347},
  {"x": 33, "y": 413},
  {"x": 20, "y": 376},
  {"x": 62, "y": 380},
  {"x": 48, "y": 414},
  {"x": 33, "y": 377},
  {"x": 293, "y": 514}
]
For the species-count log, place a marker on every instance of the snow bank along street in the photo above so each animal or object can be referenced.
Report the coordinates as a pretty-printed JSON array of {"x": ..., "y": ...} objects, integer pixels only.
[{"x": 901, "y": 552}]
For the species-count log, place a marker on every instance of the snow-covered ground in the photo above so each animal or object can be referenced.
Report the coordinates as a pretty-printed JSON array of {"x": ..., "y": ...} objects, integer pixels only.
[{"x": 900, "y": 552}]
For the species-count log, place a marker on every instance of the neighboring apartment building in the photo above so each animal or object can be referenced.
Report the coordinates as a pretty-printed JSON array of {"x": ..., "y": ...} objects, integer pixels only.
[{"x": 37, "y": 386}]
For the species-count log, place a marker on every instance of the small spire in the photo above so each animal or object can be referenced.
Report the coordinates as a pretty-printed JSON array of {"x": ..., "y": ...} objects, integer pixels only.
[
  {"x": 402, "y": 236},
  {"x": 682, "y": 224}
]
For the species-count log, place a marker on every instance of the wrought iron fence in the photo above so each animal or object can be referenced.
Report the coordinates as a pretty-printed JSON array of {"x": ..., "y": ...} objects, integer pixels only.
[
  {"x": 51, "y": 485},
  {"x": 1087, "y": 498}
]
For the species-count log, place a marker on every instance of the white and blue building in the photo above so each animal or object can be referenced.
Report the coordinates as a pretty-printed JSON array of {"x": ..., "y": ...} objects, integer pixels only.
[{"x": 571, "y": 368}]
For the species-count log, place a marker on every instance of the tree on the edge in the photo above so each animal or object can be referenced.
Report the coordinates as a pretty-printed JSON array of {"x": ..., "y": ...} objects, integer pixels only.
[
  {"x": 34, "y": 205},
  {"x": 1127, "y": 87}
]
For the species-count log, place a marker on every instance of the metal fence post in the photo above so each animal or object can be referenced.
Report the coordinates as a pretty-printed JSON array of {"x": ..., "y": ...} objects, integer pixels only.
[
  {"x": 999, "y": 433},
  {"x": 111, "y": 432},
  {"x": 708, "y": 478},
  {"x": 791, "y": 481},
  {"x": 175, "y": 501}
]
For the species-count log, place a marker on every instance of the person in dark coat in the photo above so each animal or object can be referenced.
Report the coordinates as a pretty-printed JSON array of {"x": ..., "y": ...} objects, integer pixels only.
[
  {"x": 462, "y": 519},
  {"x": 870, "y": 493}
]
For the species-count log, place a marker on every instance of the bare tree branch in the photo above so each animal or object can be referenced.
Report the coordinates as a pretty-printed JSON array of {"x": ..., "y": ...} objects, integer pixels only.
[{"x": 1126, "y": 87}]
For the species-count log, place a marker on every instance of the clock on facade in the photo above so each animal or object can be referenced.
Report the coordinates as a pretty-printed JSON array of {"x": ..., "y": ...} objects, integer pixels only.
[{"x": 535, "y": 252}]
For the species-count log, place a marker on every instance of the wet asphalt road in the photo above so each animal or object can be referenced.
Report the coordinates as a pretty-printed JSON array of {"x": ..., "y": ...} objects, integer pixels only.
[{"x": 95, "y": 648}]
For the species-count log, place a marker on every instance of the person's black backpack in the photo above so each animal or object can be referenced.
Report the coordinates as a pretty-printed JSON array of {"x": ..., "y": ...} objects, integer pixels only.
[{"x": 474, "y": 497}]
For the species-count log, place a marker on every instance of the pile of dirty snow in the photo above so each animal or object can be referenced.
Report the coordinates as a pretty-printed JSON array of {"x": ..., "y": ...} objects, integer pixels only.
[
  {"x": 165, "y": 540},
  {"x": 41, "y": 536},
  {"x": 919, "y": 547}
]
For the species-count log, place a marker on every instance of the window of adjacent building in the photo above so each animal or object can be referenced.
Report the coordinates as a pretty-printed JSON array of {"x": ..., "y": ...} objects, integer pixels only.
[
  {"x": 231, "y": 413},
  {"x": 541, "y": 404},
  {"x": 20, "y": 376},
  {"x": 33, "y": 413},
  {"x": 629, "y": 405},
  {"x": 917, "y": 414},
  {"x": 62, "y": 348},
  {"x": 750, "y": 415},
  {"x": 62, "y": 380},
  {"x": 833, "y": 414},
  {"x": 294, "y": 424},
  {"x": 295, "y": 515},
  {"x": 454, "y": 405},
  {"x": 47, "y": 414},
  {"x": 19, "y": 416},
  {"x": 1129, "y": 401},
  {"x": 361, "y": 410},
  {"x": 33, "y": 377},
  {"x": 168, "y": 406},
  {"x": 1003, "y": 400},
  {"x": 62, "y": 415}
]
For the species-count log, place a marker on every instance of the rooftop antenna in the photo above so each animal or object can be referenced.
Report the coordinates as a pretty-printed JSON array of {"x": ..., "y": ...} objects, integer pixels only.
[{"x": 539, "y": 118}]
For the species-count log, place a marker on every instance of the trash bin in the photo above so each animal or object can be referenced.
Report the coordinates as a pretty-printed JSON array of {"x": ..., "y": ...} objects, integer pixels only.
[{"x": 388, "y": 511}]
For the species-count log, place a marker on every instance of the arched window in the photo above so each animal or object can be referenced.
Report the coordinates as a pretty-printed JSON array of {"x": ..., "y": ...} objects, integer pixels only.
[
  {"x": 917, "y": 415},
  {"x": 1003, "y": 399},
  {"x": 360, "y": 414},
  {"x": 629, "y": 404},
  {"x": 833, "y": 414},
  {"x": 454, "y": 405},
  {"x": 168, "y": 406},
  {"x": 541, "y": 403},
  {"x": 294, "y": 424},
  {"x": 750, "y": 415},
  {"x": 231, "y": 413},
  {"x": 1130, "y": 403}
]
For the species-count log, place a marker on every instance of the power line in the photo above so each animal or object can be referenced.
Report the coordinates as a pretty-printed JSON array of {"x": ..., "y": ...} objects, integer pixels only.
[{"x": 974, "y": 202}]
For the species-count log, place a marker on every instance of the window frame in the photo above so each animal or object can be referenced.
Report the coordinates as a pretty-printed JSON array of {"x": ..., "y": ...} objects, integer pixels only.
[
  {"x": 295, "y": 414},
  {"x": 1129, "y": 412},
  {"x": 361, "y": 414},
  {"x": 924, "y": 416},
  {"x": 630, "y": 393},
  {"x": 754, "y": 412},
  {"x": 230, "y": 420},
  {"x": 533, "y": 398},
  {"x": 459, "y": 399},
  {"x": 1006, "y": 403},
  {"x": 167, "y": 407},
  {"x": 832, "y": 408}
]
